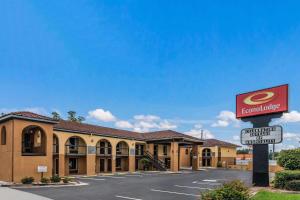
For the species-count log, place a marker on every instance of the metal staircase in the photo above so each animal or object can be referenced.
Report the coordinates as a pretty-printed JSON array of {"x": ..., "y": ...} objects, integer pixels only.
[{"x": 157, "y": 163}]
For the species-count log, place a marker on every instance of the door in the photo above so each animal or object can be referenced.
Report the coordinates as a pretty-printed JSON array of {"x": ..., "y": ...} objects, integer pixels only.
[
  {"x": 102, "y": 165},
  {"x": 56, "y": 166},
  {"x": 109, "y": 165},
  {"x": 155, "y": 152},
  {"x": 73, "y": 167}
]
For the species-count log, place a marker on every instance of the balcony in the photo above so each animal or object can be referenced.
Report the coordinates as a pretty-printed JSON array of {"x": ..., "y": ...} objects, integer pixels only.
[
  {"x": 75, "y": 150},
  {"x": 103, "y": 151},
  {"x": 122, "y": 151},
  {"x": 55, "y": 149}
]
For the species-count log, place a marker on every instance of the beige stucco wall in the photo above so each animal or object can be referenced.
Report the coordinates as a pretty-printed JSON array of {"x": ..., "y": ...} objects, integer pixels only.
[
  {"x": 27, "y": 165},
  {"x": 6, "y": 153},
  {"x": 228, "y": 155}
]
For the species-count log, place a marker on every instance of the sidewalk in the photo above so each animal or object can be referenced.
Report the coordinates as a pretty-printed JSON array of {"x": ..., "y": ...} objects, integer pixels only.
[{"x": 11, "y": 194}]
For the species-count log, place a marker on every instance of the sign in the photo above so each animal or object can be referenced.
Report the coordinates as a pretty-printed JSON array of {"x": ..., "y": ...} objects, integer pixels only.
[
  {"x": 262, "y": 102},
  {"x": 263, "y": 135},
  {"x": 131, "y": 152},
  {"x": 42, "y": 169},
  {"x": 91, "y": 150}
]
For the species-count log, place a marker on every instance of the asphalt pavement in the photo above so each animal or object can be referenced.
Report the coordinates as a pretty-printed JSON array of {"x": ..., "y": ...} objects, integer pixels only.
[{"x": 145, "y": 186}]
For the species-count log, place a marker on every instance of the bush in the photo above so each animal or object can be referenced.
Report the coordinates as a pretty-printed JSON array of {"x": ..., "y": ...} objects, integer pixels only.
[
  {"x": 45, "y": 180},
  {"x": 55, "y": 179},
  {"x": 27, "y": 180},
  {"x": 283, "y": 177},
  {"x": 293, "y": 185},
  {"x": 289, "y": 159},
  {"x": 219, "y": 164},
  {"x": 66, "y": 180},
  {"x": 233, "y": 190},
  {"x": 146, "y": 163}
]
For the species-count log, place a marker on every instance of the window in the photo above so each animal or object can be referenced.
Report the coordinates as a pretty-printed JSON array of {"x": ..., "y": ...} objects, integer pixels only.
[
  {"x": 33, "y": 141},
  {"x": 73, "y": 167},
  {"x": 3, "y": 136},
  {"x": 165, "y": 150},
  {"x": 186, "y": 151}
]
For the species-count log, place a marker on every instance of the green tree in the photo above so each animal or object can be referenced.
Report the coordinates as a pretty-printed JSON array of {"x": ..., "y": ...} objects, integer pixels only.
[
  {"x": 289, "y": 159},
  {"x": 72, "y": 116},
  {"x": 55, "y": 115},
  {"x": 80, "y": 119}
]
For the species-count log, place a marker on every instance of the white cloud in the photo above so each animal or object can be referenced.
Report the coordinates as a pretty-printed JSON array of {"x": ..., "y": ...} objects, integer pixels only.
[
  {"x": 236, "y": 138},
  {"x": 147, "y": 118},
  {"x": 198, "y": 126},
  {"x": 291, "y": 136},
  {"x": 293, "y": 116},
  {"x": 225, "y": 118},
  {"x": 123, "y": 124},
  {"x": 283, "y": 146},
  {"x": 197, "y": 133},
  {"x": 102, "y": 115},
  {"x": 165, "y": 124}
]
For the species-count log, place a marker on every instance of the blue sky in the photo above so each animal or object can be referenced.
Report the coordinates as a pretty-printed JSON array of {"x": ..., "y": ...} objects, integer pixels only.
[{"x": 149, "y": 65}]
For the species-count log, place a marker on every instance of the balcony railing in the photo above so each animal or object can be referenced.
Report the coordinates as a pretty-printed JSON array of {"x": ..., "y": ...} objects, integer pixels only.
[
  {"x": 103, "y": 151},
  {"x": 55, "y": 149},
  {"x": 122, "y": 151},
  {"x": 75, "y": 150}
]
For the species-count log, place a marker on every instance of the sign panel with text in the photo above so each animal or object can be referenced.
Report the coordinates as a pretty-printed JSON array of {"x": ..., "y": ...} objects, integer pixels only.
[
  {"x": 262, "y": 102},
  {"x": 263, "y": 135}
]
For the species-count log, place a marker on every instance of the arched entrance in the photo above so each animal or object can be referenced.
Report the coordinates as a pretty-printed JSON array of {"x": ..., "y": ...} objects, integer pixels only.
[
  {"x": 122, "y": 156},
  {"x": 75, "y": 149},
  {"x": 33, "y": 141},
  {"x": 104, "y": 156},
  {"x": 206, "y": 157},
  {"x": 55, "y": 155}
]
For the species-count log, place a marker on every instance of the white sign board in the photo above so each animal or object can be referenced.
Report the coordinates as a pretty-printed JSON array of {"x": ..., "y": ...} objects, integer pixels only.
[
  {"x": 263, "y": 135},
  {"x": 42, "y": 169}
]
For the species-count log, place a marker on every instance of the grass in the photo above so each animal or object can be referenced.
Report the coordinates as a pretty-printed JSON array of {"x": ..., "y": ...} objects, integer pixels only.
[{"x": 264, "y": 195}]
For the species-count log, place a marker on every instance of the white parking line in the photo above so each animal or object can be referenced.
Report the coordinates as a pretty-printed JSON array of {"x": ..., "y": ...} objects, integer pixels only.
[
  {"x": 95, "y": 179},
  {"x": 116, "y": 177},
  {"x": 208, "y": 180},
  {"x": 122, "y": 197},
  {"x": 171, "y": 192},
  {"x": 191, "y": 187},
  {"x": 133, "y": 175},
  {"x": 206, "y": 183}
]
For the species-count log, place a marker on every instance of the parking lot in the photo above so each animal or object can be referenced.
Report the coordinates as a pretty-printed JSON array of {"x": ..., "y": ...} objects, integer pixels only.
[{"x": 145, "y": 186}]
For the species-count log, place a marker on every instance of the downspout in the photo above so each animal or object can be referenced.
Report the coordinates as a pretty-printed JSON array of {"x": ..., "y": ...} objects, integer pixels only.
[{"x": 13, "y": 147}]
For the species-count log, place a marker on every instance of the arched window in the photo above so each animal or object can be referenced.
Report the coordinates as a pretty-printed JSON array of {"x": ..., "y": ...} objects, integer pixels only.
[
  {"x": 3, "y": 136},
  {"x": 33, "y": 141}
]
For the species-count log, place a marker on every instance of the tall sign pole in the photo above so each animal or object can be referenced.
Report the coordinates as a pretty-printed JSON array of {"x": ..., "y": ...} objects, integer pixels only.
[{"x": 259, "y": 108}]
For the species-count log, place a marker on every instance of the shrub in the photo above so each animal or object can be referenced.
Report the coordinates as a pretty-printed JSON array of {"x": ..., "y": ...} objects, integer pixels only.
[
  {"x": 293, "y": 185},
  {"x": 281, "y": 178},
  {"x": 55, "y": 179},
  {"x": 233, "y": 190},
  {"x": 27, "y": 180},
  {"x": 66, "y": 180},
  {"x": 289, "y": 159},
  {"x": 219, "y": 164},
  {"x": 45, "y": 180},
  {"x": 145, "y": 162}
]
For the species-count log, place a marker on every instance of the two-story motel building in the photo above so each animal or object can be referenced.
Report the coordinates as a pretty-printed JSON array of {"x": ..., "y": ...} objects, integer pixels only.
[{"x": 29, "y": 140}]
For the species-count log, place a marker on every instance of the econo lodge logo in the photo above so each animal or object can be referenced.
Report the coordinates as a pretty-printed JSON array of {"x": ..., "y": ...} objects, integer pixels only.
[{"x": 259, "y": 98}]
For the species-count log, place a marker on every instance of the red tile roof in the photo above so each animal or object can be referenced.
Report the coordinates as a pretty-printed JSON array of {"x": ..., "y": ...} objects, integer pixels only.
[
  {"x": 27, "y": 115},
  {"x": 214, "y": 142},
  {"x": 167, "y": 134},
  {"x": 97, "y": 130},
  {"x": 70, "y": 126}
]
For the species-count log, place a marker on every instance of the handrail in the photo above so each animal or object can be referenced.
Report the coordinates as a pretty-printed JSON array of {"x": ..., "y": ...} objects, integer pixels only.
[{"x": 156, "y": 161}]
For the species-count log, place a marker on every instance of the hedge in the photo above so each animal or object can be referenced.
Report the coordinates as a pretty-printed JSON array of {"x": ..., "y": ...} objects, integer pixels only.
[
  {"x": 283, "y": 177},
  {"x": 293, "y": 185},
  {"x": 289, "y": 159}
]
